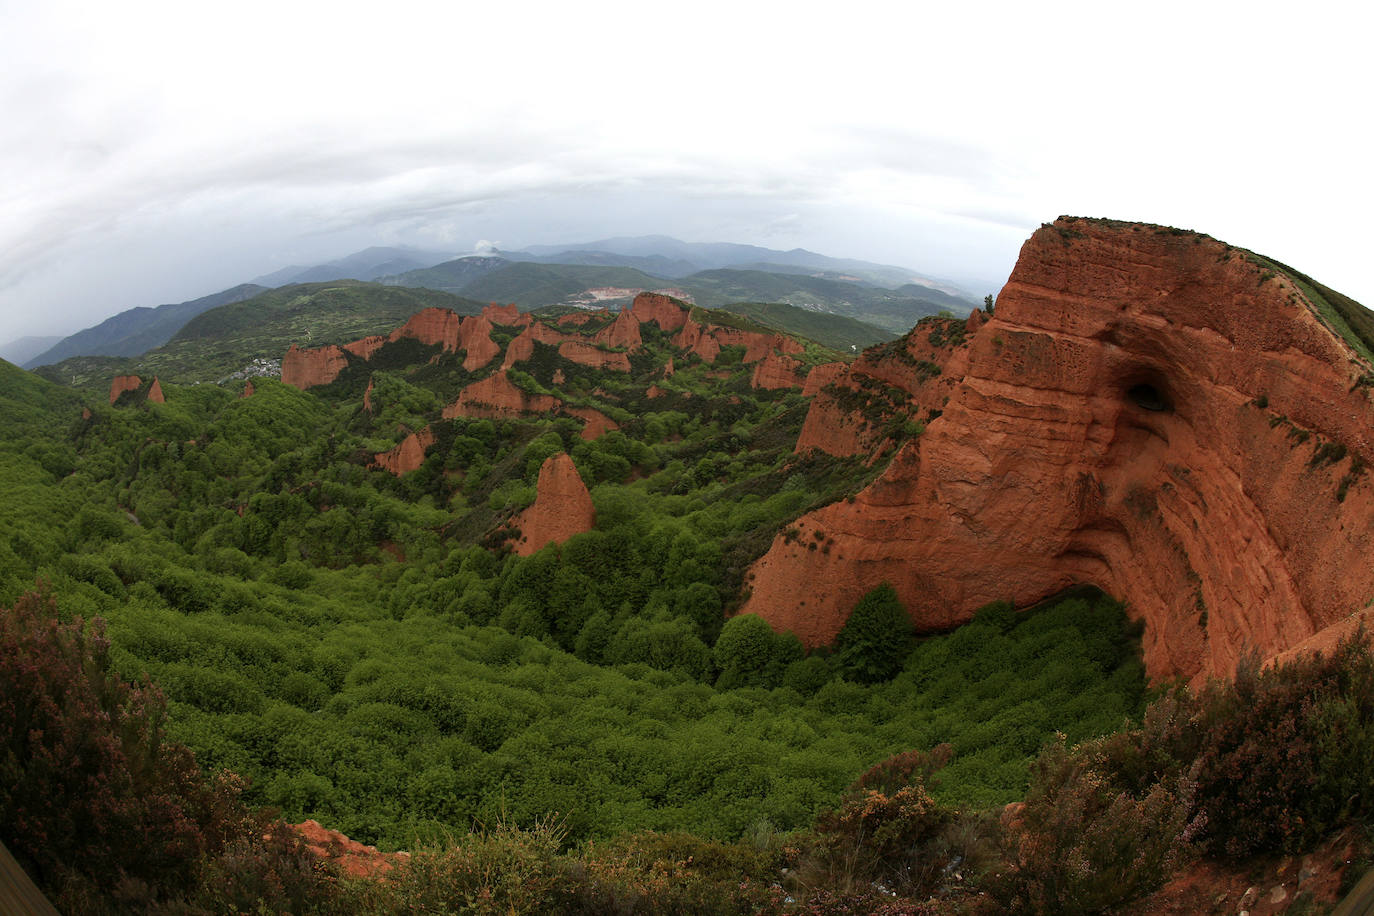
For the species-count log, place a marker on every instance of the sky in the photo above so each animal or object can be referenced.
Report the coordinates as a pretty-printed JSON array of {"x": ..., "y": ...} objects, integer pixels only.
[{"x": 159, "y": 151}]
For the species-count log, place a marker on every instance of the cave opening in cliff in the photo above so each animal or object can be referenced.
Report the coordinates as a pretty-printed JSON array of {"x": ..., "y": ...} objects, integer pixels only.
[{"x": 1148, "y": 397}]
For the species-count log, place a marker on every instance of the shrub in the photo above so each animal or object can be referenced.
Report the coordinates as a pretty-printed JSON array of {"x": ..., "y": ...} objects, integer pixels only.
[{"x": 876, "y": 638}]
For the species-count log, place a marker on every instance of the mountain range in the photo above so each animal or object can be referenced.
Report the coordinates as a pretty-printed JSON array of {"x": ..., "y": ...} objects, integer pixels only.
[{"x": 604, "y": 272}]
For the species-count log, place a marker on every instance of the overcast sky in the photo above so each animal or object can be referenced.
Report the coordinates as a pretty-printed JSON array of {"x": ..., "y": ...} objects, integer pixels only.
[{"x": 155, "y": 152}]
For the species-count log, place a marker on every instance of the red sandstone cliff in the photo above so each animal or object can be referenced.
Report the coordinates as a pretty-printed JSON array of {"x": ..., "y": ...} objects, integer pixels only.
[
  {"x": 431, "y": 326},
  {"x": 155, "y": 392},
  {"x": 307, "y": 368},
  {"x": 364, "y": 348},
  {"x": 623, "y": 332},
  {"x": 562, "y": 508},
  {"x": 579, "y": 351},
  {"x": 852, "y": 404},
  {"x": 408, "y": 455},
  {"x": 497, "y": 396},
  {"x": 776, "y": 371},
  {"x": 123, "y": 383},
  {"x": 1148, "y": 411},
  {"x": 667, "y": 312},
  {"x": 508, "y": 315}
]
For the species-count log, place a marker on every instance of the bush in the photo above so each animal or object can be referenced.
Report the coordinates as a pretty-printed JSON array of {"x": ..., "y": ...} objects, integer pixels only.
[{"x": 876, "y": 638}]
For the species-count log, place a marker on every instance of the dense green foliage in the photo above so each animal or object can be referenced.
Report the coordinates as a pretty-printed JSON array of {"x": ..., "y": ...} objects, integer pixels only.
[{"x": 246, "y": 558}]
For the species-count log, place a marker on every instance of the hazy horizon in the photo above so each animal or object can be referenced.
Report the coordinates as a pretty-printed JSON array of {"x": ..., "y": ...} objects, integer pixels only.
[{"x": 158, "y": 153}]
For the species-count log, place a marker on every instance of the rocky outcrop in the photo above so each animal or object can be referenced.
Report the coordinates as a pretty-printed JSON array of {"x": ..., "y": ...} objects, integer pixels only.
[
  {"x": 597, "y": 422},
  {"x": 668, "y": 313},
  {"x": 508, "y": 315},
  {"x": 757, "y": 344},
  {"x": 364, "y": 348},
  {"x": 583, "y": 353},
  {"x": 367, "y": 396},
  {"x": 307, "y": 368},
  {"x": 908, "y": 378},
  {"x": 433, "y": 327},
  {"x": 249, "y": 390},
  {"x": 474, "y": 337},
  {"x": 155, "y": 392},
  {"x": 406, "y": 456},
  {"x": 562, "y": 508},
  {"x": 1148, "y": 411},
  {"x": 695, "y": 338},
  {"x": 623, "y": 332},
  {"x": 123, "y": 383},
  {"x": 822, "y": 375},
  {"x": 776, "y": 371},
  {"x": 354, "y": 859},
  {"x": 497, "y": 396}
]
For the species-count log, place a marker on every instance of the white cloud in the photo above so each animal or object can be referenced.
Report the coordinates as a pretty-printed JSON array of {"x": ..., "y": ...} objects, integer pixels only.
[{"x": 156, "y": 150}]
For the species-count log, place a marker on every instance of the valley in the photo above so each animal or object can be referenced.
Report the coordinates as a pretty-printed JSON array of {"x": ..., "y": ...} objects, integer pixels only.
[{"x": 704, "y": 591}]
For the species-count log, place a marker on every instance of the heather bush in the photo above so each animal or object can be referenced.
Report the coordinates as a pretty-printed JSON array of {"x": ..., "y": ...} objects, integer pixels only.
[{"x": 1082, "y": 842}]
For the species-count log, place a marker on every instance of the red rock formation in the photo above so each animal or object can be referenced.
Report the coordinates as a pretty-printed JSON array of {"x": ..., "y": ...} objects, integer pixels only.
[
  {"x": 364, "y": 348},
  {"x": 497, "y": 396},
  {"x": 583, "y": 353},
  {"x": 155, "y": 392},
  {"x": 697, "y": 339},
  {"x": 668, "y": 370},
  {"x": 351, "y": 857},
  {"x": 474, "y": 337},
  {"x": 1147, "y": 411},
  {"x": 822, "y": 375},
  {"x": 307, "y": 368},
  {"x": 597, "y": 422},
  {"x": 249, "y": 390},
  {"x": 558, "y": 377},
  {"x": 776, "y": 371},
  {"x": 123, "y": 383},
  {"x": 562, "y": 508},
  {"x": 522, "y": 347},
  {"x": 507, "y": 315},
  {"x": 925, "y": 366},
  {"x": 407, "y": 456},
  {"x": 669, "y": 313},
  {"x": 367, "y": 396},
  {"x": 757, "y": 344},
  {"x": 653, "y": 391},
  {"x": 623, "y": 332},
  {"x": 431, "y": 326}
]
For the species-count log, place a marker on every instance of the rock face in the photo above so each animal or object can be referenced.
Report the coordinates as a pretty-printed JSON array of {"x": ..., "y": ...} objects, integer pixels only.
[
  {"x": 1148, "y": 411},
  {"x": 562, "y": 508},
  {"x": 155, "y": 392},
  {"x": 364, "y": 348},
  {"x": 508, "y": 315},
  {"x": 852, "y": 404},
  {"x": 597, "y": 422},
  {"x": 474, "y": 337},
  {"x": 776, "y": 371},
  {"x": 579, "y": 351},
  {"x": 668, "y": 313},
  {"x": 354, "y": 859},
  {"x": 433, "y": 327},
  {"x": 407, "y": 456},
  {"x": 123, "y": 383},
  {"x": 308, "y": 368},
  {"x": 623, "y": 332},
  {"x": 497, "y": 396}
]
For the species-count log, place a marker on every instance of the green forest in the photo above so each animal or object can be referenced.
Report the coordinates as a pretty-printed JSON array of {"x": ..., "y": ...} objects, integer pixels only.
[{"x": 367, "y": 651}]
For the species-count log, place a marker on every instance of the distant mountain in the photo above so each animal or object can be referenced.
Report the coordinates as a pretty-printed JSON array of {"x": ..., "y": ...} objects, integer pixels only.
[
  {"x": 531, "y": 285},
  {"x": 25, "y": 348},
  {"x": 657, "y": 265},
  {"x": 139, "y": 329},
  {"x": 835, "y": 331},
  {"x": 675, "y": 254},
  {"x": 368, "y": 264},
  {"x": 450, "y": 276},
  {"x": 225, "y": 340},
  {"x": 894, "y": 310}
]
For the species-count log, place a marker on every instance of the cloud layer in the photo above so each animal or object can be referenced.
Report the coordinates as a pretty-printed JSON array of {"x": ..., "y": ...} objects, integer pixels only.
[{"x": 157, "y": 151}]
